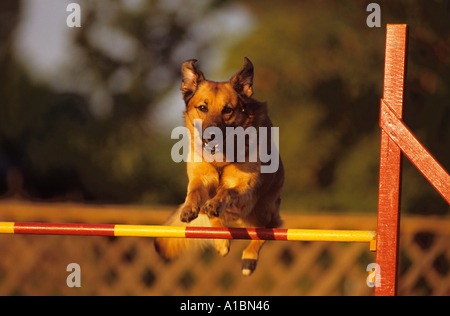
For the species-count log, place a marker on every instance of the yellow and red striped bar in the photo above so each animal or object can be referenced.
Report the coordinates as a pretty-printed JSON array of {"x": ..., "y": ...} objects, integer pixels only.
[{"x": 189, "y": 232}]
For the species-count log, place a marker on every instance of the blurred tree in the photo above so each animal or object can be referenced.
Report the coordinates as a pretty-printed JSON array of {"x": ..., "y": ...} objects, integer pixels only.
[
  {"x": 320, "y": 67},
  {"x": 9, "y": 17},
  {"x": 90, "y": 133}
]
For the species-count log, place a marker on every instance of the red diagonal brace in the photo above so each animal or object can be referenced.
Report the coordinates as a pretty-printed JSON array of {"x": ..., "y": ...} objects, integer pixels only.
[{"x": 413, "y": 149}]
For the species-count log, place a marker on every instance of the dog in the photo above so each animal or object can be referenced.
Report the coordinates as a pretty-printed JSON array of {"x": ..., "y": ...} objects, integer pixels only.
[{"x": 225, "y": 192}]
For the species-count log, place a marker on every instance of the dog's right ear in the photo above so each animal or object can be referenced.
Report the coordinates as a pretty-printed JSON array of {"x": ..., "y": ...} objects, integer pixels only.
[{"x": 191, "y": 78}]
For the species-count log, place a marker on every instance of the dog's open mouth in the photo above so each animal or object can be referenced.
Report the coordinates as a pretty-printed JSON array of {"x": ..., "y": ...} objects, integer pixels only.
[{"x": 210, "y": 144}]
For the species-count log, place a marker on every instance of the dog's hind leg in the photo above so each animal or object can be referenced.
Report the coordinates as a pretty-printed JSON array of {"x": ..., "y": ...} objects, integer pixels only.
[
  {"x": 250, "y": 256},
  {"x": 222, "y": 245}
]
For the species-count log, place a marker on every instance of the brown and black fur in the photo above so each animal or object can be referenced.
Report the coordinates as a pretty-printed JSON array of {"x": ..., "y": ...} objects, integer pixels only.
[{"x": 225, "y": 193}]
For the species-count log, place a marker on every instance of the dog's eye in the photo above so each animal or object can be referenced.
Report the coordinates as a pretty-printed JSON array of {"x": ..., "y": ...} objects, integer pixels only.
[
  {"x": 227, "y": 110},
  {"x": 202, "y": 108}
]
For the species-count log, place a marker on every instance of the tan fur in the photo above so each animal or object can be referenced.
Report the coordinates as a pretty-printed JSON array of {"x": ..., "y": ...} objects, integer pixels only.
[
  {"x": 225, "y": 193},
  {"x": 171, "y": 247}
]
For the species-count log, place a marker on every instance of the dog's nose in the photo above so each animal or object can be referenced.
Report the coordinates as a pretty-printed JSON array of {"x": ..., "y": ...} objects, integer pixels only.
[{"x": 209, "y": 136}]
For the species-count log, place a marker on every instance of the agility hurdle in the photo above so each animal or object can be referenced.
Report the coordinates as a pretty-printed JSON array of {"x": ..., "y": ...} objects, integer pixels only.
[
  {"x": 189, "y": 232},
  {"x": 396, "y": 138}
]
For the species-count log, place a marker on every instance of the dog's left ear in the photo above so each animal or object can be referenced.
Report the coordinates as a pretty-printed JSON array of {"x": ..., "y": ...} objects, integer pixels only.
[{"x": 242, "y": 81}]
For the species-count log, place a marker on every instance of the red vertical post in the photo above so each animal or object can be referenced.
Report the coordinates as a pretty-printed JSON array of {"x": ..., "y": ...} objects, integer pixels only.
[{"x": 388, "y": 221}]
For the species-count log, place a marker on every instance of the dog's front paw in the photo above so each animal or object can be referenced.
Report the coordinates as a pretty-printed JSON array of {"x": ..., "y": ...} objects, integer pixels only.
[
  {"x": 211, "y": 208},
  {"x": 189, "y": 212}
]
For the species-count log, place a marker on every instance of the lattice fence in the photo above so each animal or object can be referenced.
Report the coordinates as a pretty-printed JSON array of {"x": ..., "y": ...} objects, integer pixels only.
[{"x": 36, "y": 265}]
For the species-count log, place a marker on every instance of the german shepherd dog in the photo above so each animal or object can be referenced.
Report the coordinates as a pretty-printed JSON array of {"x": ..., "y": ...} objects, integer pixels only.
[{"x": 225, "y": 193}]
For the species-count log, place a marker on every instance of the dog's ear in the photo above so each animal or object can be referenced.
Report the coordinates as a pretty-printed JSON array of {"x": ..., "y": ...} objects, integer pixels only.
[
  {"x": 242, "y": 81},
  {"x": 191, "y": 78}
]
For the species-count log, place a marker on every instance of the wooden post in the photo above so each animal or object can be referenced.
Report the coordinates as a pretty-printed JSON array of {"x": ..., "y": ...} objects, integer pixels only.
[{"x": 388, "y": 221}]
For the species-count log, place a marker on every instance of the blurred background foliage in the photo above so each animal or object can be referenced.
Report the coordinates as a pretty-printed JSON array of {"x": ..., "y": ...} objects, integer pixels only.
[{"x": 96, "y": 128}]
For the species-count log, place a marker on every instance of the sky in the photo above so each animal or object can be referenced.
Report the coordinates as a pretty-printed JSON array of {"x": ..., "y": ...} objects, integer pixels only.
[{"x": 43, "y": 38}]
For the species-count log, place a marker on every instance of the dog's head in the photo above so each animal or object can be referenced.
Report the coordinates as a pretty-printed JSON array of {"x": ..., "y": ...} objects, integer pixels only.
[{"x": 216, "y": 104}]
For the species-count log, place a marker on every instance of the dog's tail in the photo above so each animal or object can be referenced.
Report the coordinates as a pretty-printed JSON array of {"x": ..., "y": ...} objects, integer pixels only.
[{"x": 169, "y": 248}]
